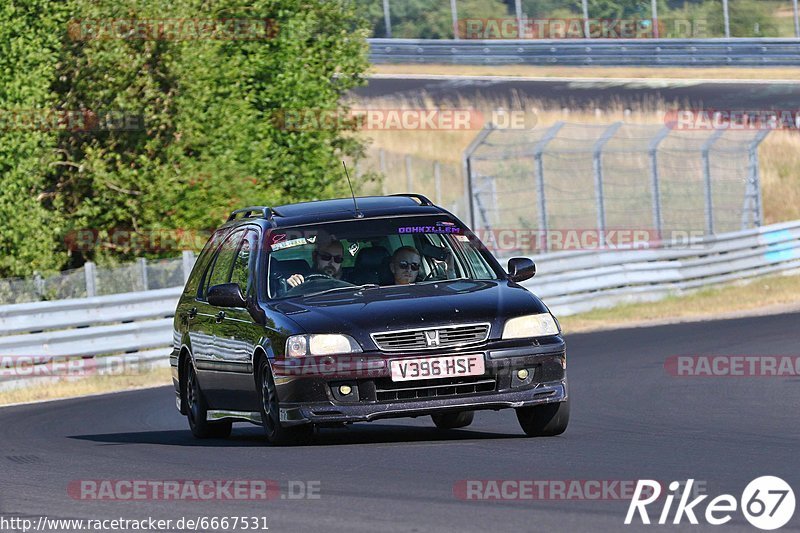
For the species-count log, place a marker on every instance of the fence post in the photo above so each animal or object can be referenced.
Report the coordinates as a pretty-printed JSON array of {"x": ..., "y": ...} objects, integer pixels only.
[
  {"x": 597, "y": 164},
  {"x": 538, "y": 150},
  {"x": 654, "y": 21},
  {"x": 90, "y": 274},
  {"x": 454, "y": 13},
  {"x": 726, "y": 18},
  {"x": 754, "y": 179},
  {"x": 709, "y": 198},
  {"x": 38, "y": 284},
  {"x": 796, "y": 19},
  {"x": 466, "y": 162},
  {"x": 654, "y": 180},
  {"x": 586, "y": 32},
  {"x": 518, "y": 12},
  {"x": 143, "y": 272},
  {"x": 437, "y": 182},
  {"x": 387, "y": 17},
  {"x": 188, "y": 263}
]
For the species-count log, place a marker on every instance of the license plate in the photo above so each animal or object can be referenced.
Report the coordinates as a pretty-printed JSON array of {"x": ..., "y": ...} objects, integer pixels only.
[{"x": 437, "y": 367}]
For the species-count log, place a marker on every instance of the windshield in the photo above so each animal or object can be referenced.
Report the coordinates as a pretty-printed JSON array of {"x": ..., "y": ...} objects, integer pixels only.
[{"x": 373, "y": 253}]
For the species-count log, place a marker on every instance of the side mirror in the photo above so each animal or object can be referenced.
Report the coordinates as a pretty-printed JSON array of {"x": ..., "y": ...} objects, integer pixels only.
[
  {"x": 520, "y": 269},
  {"x": 226, "y": 295}
]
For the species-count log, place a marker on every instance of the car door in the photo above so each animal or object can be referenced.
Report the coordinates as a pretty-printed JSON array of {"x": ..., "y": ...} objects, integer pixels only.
[
  {"x": 236, "y": 331},
  {"x": 205, "y": 320}
]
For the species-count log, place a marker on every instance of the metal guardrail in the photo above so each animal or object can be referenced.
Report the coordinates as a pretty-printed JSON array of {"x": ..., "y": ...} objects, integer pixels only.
[
  {"x": 611, "y": 52},
  {"x": 136, "y": 326},
  {"x": 573, "y": 282}
]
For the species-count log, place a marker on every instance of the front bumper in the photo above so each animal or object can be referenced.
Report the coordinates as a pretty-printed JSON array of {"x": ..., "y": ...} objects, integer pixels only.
[
  {"x": 324, "y": 413},
  {"x": 316, "y": 399}
]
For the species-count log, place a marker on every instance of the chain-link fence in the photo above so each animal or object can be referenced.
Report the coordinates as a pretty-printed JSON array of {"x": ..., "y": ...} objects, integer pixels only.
[
  {"x": 91, "y": 280},
  {"x": 623, "y": 177},
  {"x": 440, "y": 19}
]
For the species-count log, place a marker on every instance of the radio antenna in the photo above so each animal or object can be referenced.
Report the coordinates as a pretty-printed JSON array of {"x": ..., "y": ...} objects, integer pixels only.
[{"x": 359, "y": 214}]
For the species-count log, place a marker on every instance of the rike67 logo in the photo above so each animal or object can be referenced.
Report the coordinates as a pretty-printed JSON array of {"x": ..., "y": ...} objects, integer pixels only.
[{"x": 767, "y": 503}]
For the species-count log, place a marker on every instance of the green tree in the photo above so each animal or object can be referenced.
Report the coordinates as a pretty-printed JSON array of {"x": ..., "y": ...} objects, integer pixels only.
[
  {"x": 209, "y": 141},
  {"x": 30, "y": 40}
]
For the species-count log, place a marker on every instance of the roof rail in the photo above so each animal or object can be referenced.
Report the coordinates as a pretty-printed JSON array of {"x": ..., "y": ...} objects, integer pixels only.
[
  {"x": 423, "y": 200},
  {"x": 259, "y": 211}
]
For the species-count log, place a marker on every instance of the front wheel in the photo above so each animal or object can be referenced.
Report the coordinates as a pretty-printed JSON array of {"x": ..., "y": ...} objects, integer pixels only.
[
  {"x": 270, "y": 413},
  {"x": 453, "y": 420},
  {"x": 197, "y": 409},
  {"x": 545, "y": 420}
]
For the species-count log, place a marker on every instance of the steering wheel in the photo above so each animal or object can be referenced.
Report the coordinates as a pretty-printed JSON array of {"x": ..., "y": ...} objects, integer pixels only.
[{"x": 316, "y": 276}]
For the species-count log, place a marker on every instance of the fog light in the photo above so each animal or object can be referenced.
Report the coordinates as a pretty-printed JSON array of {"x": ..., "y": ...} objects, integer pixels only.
[
  {"x": 345, "y": 390},
  {"x": 522, "y": 374}
]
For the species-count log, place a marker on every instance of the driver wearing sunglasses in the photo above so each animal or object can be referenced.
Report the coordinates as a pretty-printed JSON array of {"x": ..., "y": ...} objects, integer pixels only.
[
  {"x": 327, "y": 260},
  {"x": 405, "y": 265}
]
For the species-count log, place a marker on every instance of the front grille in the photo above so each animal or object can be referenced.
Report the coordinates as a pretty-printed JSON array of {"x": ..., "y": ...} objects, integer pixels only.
[
  {"x": 387, "y": 390},
  {"x": 431, "y": 338}
]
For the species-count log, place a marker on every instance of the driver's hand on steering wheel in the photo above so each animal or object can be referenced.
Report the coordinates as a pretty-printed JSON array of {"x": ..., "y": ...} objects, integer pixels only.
[{"x": 295, "y": 280}]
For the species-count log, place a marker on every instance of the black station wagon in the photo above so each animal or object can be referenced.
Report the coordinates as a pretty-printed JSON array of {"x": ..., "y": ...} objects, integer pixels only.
[{"x": 351, "y": 310}]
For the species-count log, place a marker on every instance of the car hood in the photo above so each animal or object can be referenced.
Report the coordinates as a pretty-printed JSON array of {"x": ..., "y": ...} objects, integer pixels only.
[{"x": 411, "y": 306}]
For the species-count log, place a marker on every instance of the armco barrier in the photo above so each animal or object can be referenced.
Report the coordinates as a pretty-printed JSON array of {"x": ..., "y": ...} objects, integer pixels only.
[
  {"x": 139, "y": 325},
  {"x": 605, "y": 52},
  {"x": 572, "y": 282}
]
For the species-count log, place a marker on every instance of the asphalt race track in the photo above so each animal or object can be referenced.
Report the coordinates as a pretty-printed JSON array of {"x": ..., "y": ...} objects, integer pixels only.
[
  {"x": 577, "y": 93},
  {"x": 630, "y": 420}
]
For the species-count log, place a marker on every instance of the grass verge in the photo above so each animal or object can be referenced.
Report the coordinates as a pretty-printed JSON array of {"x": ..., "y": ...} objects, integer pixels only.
[
  {"x": 71, "y": 388},
  {"x": 768, "y": 295},
  {"x": 720, "y": 73}
]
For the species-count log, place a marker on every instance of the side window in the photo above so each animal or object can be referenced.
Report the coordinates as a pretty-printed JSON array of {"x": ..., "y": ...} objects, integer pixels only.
[
  {"x": 220, "y": 271},
  {"x": 241, "y": 266}
]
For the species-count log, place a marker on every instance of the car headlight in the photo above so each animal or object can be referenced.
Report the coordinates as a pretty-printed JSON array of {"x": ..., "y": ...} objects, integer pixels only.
[
  {"x": 323, "y": 344},
  {"x": 530, "y": 326}
]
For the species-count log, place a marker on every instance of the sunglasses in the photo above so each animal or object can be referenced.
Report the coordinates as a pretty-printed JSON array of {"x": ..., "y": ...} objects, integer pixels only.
[
  {"x": 325, "y": 256},
  {"x": 405, "y": 265}
]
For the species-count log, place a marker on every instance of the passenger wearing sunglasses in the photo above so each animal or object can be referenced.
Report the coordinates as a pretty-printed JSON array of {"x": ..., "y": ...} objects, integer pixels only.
[
  {"x": 327, "y": 260},
  {"x": 405, "y": 265}
]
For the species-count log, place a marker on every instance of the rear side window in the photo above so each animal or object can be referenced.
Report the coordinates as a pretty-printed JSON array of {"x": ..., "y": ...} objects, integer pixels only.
[
  {"x": 222, "y": 266},
  {"x": 242, "y": 264}
]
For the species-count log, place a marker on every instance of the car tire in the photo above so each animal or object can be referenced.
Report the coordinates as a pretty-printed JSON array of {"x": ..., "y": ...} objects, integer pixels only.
[
  {"x": 276, "y": 433},
  {"x": 453, "y": 420},
  {"x": 546, "y": 420},
  {"x": 197, "y": 409}
]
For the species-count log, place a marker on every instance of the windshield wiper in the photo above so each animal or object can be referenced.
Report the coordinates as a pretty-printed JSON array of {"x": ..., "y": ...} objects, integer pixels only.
[{"x": 337, "y": 289}]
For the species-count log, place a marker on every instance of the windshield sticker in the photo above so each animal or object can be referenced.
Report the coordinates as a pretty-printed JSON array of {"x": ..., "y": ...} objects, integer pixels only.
[
  {"x": 429, "y": 229},
  {"x": 289, "y": 244},
  {"x": 462, "y": 238},
  {"x": 278, "y": 237},
  {"x": 353, "y": 249}
]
